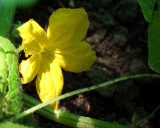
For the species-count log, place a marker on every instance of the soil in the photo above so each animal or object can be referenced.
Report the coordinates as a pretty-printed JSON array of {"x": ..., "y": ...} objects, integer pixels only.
[{"x": 118, "y": 35}]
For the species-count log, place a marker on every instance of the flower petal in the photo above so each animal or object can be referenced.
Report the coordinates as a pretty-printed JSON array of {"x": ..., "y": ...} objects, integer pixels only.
[
  {"x": 49, "y": 82},
  {"x": 76, "y": 58},
  {"x": 29, "y": 68},
  {"x": 34, "y": 37},
  {"x": 67, "y": 25}
]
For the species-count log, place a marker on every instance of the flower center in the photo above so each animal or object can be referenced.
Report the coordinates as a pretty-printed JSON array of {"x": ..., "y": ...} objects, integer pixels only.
[{"x": 42, "y": 50}]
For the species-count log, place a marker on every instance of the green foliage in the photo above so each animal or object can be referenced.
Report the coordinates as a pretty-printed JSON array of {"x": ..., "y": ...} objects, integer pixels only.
[
  {"x": 151, "y": 12},
  {"x": 26, "y": 3},
  {"x": 7, "y": 10},
  {"x": 14, "y": 32},
  {"x": 154, "y": 42},
  {"x": 7, "y": 124},
  {"x": 28, "y": 121},
  {"x": 147, "y": 7}
]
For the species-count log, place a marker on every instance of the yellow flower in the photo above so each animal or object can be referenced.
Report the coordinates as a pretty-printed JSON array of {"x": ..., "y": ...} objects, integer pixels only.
[{"x": 60, "y": 47}]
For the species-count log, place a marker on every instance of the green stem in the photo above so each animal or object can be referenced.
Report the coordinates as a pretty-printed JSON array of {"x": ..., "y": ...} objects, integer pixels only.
[
  {"x": 20, "y": 48},
  {"x": 31, "y": 110},
  {"x": 76, "y": 121},
  {"x": 67, "y": 118},
  {"x": 14, "y": 88},
  {"x": 3, "y": 79},
  {"x": 150, "y": 116}
]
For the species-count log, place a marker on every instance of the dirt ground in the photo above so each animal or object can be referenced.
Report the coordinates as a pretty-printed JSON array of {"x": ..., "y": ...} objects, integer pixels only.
[{"x": 118, "y": 34}]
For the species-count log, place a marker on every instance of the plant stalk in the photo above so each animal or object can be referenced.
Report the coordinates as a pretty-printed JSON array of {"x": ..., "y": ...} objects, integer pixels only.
[{"x": 39, "y": 106}]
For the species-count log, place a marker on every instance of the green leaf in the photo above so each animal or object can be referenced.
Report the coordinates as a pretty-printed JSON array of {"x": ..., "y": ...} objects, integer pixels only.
[
  {"x": 7, "y": 124},
  {"x": 147, "y": 7},
  {"x": 7, "y": 10},
  {"x": 154, "y": 42},
  {"x": 26, "y": 3}
]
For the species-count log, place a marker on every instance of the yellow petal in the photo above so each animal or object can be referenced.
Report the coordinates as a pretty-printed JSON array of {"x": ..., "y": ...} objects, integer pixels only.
[
  {"x": 49, "y": 82},
  {"x": 34, "y": 37},
  {"x": 76, "y": 58},
  {"x": 29, "y": 68},
  {"x": 67, "y": 25}
]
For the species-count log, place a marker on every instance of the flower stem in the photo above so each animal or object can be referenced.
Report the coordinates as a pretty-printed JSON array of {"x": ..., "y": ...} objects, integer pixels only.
[
  {"x": 73, "y": 120},
  {"x": 39, "y": 106},
  {"x": 20, "y": 48}
]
